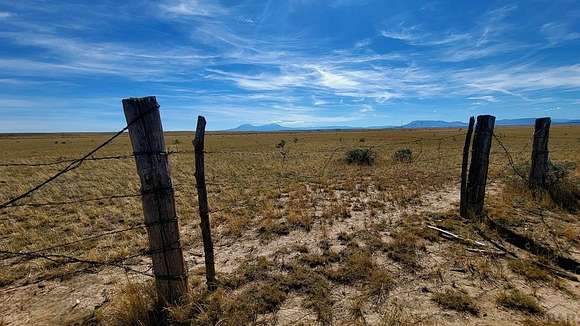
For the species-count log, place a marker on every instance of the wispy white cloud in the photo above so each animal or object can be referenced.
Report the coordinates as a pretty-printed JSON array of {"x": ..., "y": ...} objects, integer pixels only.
[
  {"x": 468, "y": 52},
  {"x": 415, "y": 36},
  {"x": 379, "y": 83},
  {"x": 70, "y": 55},
  {"x": 5, "y": 14},
  {"x": 233, "y": 63},
  {"x": 402, "y": 33},
  {"x": 522, "y": 78},
  {"x": 259, "y": 81},
  {"x": 192, "y": 8},
  {"x": 334, "y": 80},
  {"x": 487, "y": 38},
  {"x": 319, "y": 101},
  {"x": 556, "y": 32},
  {"x": 487, "y": 98},
  {"x": 366, "y": 109},
  {"x": 362, "y": 43}
]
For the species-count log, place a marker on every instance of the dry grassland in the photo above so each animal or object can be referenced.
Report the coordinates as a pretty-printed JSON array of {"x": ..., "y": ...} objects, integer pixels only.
[{"x": 300, "y": 235}]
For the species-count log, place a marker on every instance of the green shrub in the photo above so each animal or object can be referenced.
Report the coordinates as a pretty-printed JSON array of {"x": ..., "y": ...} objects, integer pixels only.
[
  {"x": 361, "y": 156},
  {"x": 403, "y": 155}
]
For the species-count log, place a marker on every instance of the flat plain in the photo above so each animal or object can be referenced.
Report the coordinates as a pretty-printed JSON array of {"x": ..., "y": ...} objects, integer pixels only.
[{"x": 301, "y": 236}]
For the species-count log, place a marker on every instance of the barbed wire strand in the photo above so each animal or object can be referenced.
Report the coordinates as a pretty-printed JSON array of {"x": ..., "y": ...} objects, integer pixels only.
[
  {"x": 509, "y": 157},
  {"x": 74, "y": 164}
]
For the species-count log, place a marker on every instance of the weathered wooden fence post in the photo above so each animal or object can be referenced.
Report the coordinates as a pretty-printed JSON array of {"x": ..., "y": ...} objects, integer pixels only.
[
  {"x": 464, "y": 167},
  {"x": 540, "y": 153},
  {"x": 146, "y": 133},
  {"x": 198, "y": 146},
  {"x": 478, "y": 168}
]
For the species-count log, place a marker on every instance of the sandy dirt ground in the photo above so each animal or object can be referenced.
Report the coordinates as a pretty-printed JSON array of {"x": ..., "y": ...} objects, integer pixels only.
[{"x": 75, "y": 299}]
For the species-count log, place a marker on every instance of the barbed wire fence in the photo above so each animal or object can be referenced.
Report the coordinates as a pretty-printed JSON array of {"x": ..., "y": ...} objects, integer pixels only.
[
  {"x": 124, "y": 263},
  {"x": 16, "y": 257}
]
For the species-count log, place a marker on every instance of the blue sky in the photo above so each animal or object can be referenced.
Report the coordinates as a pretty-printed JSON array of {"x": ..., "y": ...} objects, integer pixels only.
[{"x": 66, "y": 65}]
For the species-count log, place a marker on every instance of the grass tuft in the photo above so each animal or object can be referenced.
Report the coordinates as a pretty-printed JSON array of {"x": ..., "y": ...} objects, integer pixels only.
[
  {"x": 456, "y": 300},
  {"x": 132, "y": 305},
  {"x": 529, "y": 270},
  {"x": 517, "y": 300},
  {"x": 357, "y": 266},
  {"x": 405, "y": 248},
  {"x": 379, "y": 284}
]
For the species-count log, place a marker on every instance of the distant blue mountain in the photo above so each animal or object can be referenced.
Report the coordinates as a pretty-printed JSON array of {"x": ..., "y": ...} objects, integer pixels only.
[
  {"x": 262, "y": 128},
  {"x": 273, "y": 127},
  {"x": 434, "y": 124},
  {"x": 566, "y": 121}
]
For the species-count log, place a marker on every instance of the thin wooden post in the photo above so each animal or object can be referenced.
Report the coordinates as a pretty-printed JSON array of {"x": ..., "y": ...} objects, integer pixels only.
[
  {"x": 464, "y": 168},
  {"x": 540, "y": 153},
  {"x": 478, "y": 168},
  {"x": 198, "y": 146},
  {"x": 146, "y": 133}
]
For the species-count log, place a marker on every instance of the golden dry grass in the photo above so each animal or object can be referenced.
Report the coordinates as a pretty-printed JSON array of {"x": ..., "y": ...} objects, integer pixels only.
[{"x": 256, "y": 194}]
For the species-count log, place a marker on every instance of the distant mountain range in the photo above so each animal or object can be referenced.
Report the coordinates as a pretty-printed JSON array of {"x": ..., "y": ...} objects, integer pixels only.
[
  {"x": 433, "y": 124},
  {"x": 273, "y": 127}
]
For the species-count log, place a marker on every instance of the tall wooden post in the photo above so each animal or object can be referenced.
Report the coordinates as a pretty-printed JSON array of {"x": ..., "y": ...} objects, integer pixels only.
[
  {"x": 146, "y": 133},
  {"x": 478, "y": 168},
  {"x": 198, "y": 145},
  {"x": 540, "y": 153},
  {"x": 464, "y": 167}
]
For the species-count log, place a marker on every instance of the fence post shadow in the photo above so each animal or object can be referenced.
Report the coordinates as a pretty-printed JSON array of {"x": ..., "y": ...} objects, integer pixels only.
[{"x": 464, "y": 168}]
